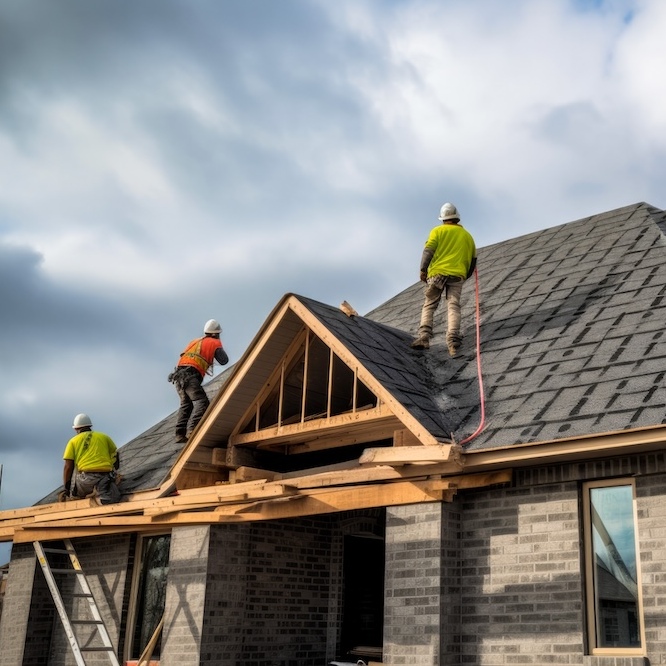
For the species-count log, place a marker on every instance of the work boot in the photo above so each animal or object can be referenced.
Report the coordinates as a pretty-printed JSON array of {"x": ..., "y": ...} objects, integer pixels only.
[
  {"x": 422, "y": 342},
  {"x": 181, "y": 437},
  {"x": 453, "y": 342}
]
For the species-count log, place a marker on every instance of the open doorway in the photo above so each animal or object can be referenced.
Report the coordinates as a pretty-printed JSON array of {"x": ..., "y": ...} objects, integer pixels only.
[{"x": 363, "y": 602}]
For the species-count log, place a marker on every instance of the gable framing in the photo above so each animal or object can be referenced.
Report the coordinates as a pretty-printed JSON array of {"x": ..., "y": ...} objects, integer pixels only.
[{"x": 233, "y": 425}]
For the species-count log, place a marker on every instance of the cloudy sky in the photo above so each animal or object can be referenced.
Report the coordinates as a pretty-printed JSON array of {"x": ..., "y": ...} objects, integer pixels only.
[{"x": 163, "y": 162}]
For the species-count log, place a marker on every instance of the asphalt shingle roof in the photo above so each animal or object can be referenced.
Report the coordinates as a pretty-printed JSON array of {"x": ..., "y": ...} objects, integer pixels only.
[{"x": 572, "y": 332}]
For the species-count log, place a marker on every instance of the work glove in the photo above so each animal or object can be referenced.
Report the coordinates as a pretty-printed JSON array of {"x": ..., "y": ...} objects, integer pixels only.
[
  {"x": 423, "y": 276},
  {"x": 63, "y": 496}
]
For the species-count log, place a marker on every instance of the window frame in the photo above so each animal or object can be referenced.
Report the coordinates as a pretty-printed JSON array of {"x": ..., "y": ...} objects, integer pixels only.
[
  {"x": 133, "y": 607},
  {"x": 589, "y": 556}
]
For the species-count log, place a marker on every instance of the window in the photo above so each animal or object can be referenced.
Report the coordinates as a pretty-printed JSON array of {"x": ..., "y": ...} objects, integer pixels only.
[
  {"x": 614, "y": 606},
  {"x": 149, "y": 592}
]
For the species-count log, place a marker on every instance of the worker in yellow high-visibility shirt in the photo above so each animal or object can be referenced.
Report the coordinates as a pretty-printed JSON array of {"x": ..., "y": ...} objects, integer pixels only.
[
  {"x": 448, "y": 259},
  {"x": 95, "y": 457}
]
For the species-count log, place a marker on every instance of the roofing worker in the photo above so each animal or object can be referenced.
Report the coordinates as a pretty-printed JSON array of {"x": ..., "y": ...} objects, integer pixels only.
[
  {"x": 448, "y": 259},
  {"x": 95, "y": 457},
  {"x": 194, "y": 363}
]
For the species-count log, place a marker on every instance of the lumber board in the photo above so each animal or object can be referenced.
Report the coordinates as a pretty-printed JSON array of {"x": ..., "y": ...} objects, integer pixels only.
[
  {"x": 403, "y": 455},
  {"x": 196, "y": 478},
  {"x": 76, "y": 532},
  {"x": 237, "y": 456},
  {"x": 405, "y": 437},
  {"x": 330, "y": 427},
  {"x": 244, "y": 473},
  {"x": 315, "y": 503},
  {"x": 205, "y": 502},
  {"x": 353, "y": 436}
]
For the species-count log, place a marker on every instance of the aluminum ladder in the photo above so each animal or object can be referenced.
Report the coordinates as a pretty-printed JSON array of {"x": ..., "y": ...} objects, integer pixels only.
[{"x": 95, "y": 623}]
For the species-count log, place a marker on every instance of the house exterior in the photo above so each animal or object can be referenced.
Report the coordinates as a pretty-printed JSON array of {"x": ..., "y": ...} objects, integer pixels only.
[{"x": 347, "y": 497}]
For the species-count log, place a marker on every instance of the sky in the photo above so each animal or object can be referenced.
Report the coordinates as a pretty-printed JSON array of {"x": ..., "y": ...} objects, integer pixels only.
[{"x": 164, "y": 162}]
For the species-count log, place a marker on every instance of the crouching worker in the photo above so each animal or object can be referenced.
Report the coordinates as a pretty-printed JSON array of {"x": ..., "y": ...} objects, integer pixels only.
[{"x": 95, "y": 457}]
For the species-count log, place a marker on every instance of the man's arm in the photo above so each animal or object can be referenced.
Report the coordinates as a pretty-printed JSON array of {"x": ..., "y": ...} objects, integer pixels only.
[
  {"x": 67, "y": 472},
  {"x": 221, "y": 356},
  {"x": 426, "y": 258},
  {"x": 472, "y": 266}
]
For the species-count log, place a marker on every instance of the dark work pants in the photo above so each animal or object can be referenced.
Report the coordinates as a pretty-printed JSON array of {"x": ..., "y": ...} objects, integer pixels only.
[{"x": 193, "y": 400}]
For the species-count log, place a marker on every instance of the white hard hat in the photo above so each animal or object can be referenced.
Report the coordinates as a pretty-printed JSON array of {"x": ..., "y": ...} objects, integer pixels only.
[
  {"x": 82, "y": 421},
  {"x": 448, "y": 212},
  {"x": 212, "y": 326}
]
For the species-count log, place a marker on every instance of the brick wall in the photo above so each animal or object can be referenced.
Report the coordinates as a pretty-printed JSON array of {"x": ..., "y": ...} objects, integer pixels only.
[
  {"x": 268, "y": 594},
  {"x": 508, "y": 564},
  {"x": 651, "y": 509},
  {"x": 422, "y": 583},
  {"x": 185, "y": 597},
  {"x": 16, "y": 609},
  {"x": 31, "y": 633},
  {"x": 522, "y": 589}
]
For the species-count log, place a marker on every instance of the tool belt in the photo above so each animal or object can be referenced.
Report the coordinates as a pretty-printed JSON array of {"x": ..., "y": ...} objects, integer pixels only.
[
  {"x": 440, "y": 281},
  {"x": 180, "y": 374}
]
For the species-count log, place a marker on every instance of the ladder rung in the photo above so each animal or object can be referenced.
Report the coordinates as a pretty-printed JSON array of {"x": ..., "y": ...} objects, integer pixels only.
[
  {"x": 67, "y": 571},
  {"x": 82, "y": 595},
  {"x": 96, "y": 649},
  {"x": 60, "y": 551},
  {"x": 86, "y": 622}
]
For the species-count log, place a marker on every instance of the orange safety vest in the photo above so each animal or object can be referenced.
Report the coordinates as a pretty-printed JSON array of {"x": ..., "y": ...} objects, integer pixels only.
[{"x": 200, "y": 353}]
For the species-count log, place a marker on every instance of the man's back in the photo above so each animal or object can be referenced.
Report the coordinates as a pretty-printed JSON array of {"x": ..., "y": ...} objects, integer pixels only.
[{"x": 453, "y": 250}]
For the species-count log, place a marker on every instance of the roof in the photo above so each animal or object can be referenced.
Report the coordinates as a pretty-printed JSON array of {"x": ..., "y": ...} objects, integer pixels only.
[
  {"x": 571, "y": 332},
  {"x": 571, "y": 344}
]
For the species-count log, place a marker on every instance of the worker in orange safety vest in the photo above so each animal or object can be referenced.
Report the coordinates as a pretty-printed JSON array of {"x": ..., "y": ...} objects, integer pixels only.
[{"x": 195, "y": 361}]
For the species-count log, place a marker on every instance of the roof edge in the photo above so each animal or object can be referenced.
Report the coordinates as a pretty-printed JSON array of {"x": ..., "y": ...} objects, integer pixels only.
[{"x": 600, "y": 445}]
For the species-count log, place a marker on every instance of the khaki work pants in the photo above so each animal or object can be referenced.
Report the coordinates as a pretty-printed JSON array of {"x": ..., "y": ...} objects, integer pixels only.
[{"x": 436, "y": 286}]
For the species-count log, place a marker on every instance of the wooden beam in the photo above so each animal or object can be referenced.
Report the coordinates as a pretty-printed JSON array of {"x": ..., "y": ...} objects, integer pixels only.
[
  {"x": 262, "y": 501},
  {"x": 55, "y": 533},
  {"x": 238, "y": 456},
  {"x": 571, "y": 449},
  {"x": 403, "y": 455},
  {"x": 405, "y": 437},
  {"x": 309, "y": 430},
  {"x": 243, "y": 474},
  {"x": 349, "y": 438},
  {"x": 318, "y": 502},
  {"x": 197, "y": 478},
  {"x": 125, "y": 515}
]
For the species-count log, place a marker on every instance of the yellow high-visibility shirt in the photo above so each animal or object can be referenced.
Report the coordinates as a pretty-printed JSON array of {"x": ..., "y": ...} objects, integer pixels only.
[
  {"x": 453, "y": 250},
  {"x": 91, "y": 451}
]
